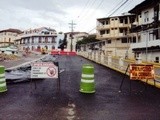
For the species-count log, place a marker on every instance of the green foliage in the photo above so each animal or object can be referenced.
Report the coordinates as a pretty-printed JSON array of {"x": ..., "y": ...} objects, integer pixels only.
[{"x": 89, "y": 39}]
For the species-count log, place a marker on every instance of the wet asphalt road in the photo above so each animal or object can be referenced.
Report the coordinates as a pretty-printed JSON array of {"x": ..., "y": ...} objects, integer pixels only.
[{"x": 23, "y": 102}]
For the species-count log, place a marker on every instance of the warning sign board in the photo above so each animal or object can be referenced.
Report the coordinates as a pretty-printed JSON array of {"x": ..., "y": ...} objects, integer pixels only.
[
  {"x": 44, "y": 70},
  {"x": 140, "y": 71}
]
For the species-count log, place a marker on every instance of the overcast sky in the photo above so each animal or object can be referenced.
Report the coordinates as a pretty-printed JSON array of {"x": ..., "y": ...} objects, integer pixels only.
[{"x": 57, "y": 14}]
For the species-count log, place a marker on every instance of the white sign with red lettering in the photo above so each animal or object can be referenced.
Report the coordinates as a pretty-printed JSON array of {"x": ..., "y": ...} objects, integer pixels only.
[{"x": 44, "y": 70}]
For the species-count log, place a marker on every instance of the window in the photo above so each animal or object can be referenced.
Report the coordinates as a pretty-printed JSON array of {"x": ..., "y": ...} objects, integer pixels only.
[
  {"x": 107, "y": 31},
  {"x": 53, "y": 40},
  {"x": 146, "y": 16},
  {"x": 32, "y": 39},
  {"x": 134, "y": 40},
  {"x": 107, "y": 22},
  {"x": 32, "y": 47},
  {"x": 157, "y": 59},
  {"x": 9, "y": 40},
  {"x": 53, "y": 47},
  {"x": 125, "y": 21},
  {"x": 124, "y": 40},
  {"x": 109, "y": 41},
  {"x": 40, "y": 39},
  {"x": 121, "y": 20},
  {"x": 103, "y": 22},
  {"x": 46, "y": 47},
  {"x": 102, "y": 32},
  {"x": 28, "y": 41},
  {"x": 121, "y": 30},
  {"x": 46, "y": 39}
]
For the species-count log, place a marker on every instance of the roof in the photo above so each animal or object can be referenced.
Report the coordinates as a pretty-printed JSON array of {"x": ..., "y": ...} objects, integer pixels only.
[
  {"x": 12, "y": 30},
  {"x": 75, "y": 33},
  {"x": 39, "y": 29},
  {"x": 120, "y": 16},
  {"x": 144, "y": 5}
]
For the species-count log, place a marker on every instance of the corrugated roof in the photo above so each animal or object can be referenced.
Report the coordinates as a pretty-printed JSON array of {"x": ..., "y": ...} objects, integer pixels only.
[
  {"x": 144, "y": 5},
  {"x": 12, "y": 30}
]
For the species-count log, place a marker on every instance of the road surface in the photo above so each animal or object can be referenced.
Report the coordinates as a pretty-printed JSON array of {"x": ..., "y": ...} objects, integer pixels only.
[{"x": 23, "y": 102}]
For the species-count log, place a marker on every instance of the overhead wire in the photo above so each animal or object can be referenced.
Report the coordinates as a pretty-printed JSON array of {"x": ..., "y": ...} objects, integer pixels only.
[
  {"x": 87, "y": 3},
  {"x": 100, "y": 3},
  {"x": 115, "y": 7},
  {"x": 112, "y": 12},
  {"x": 126, "y": 5},
  {"x": 91, "y": 13},
  {"x": 118, "y": 8},
  {"x": 85, "y": 13}
]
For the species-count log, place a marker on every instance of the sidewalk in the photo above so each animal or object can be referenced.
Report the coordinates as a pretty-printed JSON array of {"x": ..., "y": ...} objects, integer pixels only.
[{"x": 11, "y": 64}]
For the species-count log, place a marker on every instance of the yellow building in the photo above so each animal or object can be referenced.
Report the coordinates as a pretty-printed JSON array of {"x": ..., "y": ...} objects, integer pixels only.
[
  {"x": 8, "y": 36},
  {"x": 115, "y": 31}
]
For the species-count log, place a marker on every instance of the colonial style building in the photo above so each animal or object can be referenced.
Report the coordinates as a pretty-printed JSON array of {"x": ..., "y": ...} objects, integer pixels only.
[
  {"x": 72, "y": 38},
  {"x": 37, "y": 39},
  {"x": 115, "y": 32},
  {"x": 147, "y": 29},
  {"x": 8, "y": 36}
]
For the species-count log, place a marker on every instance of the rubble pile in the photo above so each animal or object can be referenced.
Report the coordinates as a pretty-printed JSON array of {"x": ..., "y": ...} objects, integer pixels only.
[{"x": 4, "y": 56}]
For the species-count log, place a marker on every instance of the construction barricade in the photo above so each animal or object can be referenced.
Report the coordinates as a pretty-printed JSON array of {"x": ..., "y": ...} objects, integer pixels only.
[
  {"x": 3, "y": 86},
  {"x": 87, "y": 84}
]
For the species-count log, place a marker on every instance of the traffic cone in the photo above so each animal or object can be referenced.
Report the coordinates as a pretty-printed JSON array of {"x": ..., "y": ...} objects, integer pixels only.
[
  {"x": 3, "y": 86},
  {"x": 87, "y": 84}
]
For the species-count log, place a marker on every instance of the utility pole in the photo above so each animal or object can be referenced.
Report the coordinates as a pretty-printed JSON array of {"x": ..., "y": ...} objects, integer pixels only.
[{"x": 72, "y": 26}]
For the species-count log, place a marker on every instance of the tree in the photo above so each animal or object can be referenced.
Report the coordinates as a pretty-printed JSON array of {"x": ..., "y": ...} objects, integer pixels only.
[
  {"x": 86, "y": 40},
  {"x": 89, "y": 39},
  {"x": 63, "y": 43}
]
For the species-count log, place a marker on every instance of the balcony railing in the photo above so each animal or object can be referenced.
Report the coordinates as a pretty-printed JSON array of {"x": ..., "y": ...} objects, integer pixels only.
[{"x": 146, "y": 44}]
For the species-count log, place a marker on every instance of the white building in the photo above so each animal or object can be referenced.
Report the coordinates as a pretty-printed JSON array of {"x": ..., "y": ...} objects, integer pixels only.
[
  {"x": 37, "y": 39},
  {"x": 147, "y": 28},
  {"x": 8, "y": 36},
  {"x": 72, "y": 38}
]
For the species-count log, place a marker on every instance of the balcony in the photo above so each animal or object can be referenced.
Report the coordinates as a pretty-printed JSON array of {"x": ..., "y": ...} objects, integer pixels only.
[
  {"x": 103, "y": 27},
  {"x": 144, "y": 44},
  {"x": 36, "y": 34},
  {"x": 122, "y": 25}
]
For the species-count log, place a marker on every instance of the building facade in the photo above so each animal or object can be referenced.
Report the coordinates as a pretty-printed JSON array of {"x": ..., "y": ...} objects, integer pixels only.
[
  {"x": 147, "y": 29},
  {"x": 8, "y": 36},
  {"x": 115, "y": 31},
  {"x": 72, "y": 38},
  {"x": 37, "y": 39}
]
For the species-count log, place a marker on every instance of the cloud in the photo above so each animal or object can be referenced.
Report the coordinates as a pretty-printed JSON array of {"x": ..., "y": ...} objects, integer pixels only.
[
  {"x": 25, "y": 14},
  {"x": 34, "y": 5}
]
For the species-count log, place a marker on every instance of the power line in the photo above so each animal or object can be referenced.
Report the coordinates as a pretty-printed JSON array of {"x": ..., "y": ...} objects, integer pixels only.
[
  {"x": 84, "y": 8},
  {"x": 113, "y": 12},
  {"x": 115, "y": 7},
  {"x": 95, "y": 9},
  {"x": 127, "y": 5},
  {"x": 87, "y": 11},
  {"x": 118, "y": 8}
]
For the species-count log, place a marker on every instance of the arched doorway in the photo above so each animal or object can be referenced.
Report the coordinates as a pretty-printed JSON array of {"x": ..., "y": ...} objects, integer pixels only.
[{"x": 38, "y": 48}]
